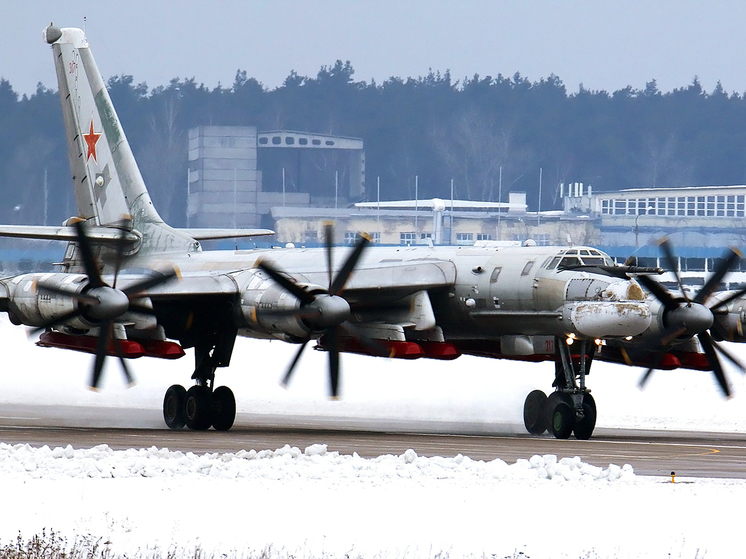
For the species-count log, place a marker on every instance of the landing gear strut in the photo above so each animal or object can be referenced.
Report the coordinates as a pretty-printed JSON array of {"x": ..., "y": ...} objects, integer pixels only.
[
  {"x": 202, "y": 406},
  {"x": 570, "y": 408}
]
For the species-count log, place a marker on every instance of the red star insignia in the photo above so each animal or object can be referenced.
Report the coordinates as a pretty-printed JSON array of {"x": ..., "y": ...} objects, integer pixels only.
[{"x": 90, "y": 139}]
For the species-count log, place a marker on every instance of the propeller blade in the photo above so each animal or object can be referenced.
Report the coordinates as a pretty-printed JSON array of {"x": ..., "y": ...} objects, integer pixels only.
[
  {"x": 294, "y": 362},
  {"x": 149, "y": 283},
  {"x": 659, "y": 292},
  {"x": 740, "y": 293},
  {"x": 729, "y": 356},
  {"x": 671, "y": 333},
  {"x": 329, "y": 242},
  {"x": 291, "y": 287},
  {"x": 672, "y": 263},
  {"x": 122, "y": 361},
  {"x": 349, "y": 265},
  {"x": 333, "y": 348},
  {"x": 86, "y": 253},
  {"x": 101, "y": 347},
  {"x": 656, "y": 361},
  {"x": 709, "y": 288},
  {"x": 709, "y": 349},
  {"x": 80, "y": 297}
]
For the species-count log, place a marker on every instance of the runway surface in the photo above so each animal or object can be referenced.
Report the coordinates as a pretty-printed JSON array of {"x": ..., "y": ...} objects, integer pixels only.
[{"x": 689, "y": 454}]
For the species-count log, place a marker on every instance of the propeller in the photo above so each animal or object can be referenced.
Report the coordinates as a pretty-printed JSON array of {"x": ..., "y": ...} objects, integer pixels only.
[
  {"x": 685, "y": 317},
  {"x": 102, "y": 304},
  {"x": 324, "y": 313}
]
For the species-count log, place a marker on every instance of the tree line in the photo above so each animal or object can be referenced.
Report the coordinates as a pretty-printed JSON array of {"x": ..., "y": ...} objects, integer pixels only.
[{"x": 490, "y": 135}]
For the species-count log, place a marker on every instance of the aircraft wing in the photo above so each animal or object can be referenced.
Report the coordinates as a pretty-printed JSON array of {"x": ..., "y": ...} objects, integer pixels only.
[{"x": 367, "y": 286}]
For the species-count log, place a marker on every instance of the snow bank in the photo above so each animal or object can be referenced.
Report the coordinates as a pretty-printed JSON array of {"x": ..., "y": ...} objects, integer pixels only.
[{"x": 287, "y": 463}]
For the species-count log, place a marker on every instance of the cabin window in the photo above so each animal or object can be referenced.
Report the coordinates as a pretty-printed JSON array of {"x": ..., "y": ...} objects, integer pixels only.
[
  {"x": 495, "y": 274},
  {"x": 527, "y": 267}
]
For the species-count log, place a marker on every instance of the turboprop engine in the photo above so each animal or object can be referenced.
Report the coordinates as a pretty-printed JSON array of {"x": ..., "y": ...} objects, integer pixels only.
[
  {"x": 36, "y": 307},
  {"x": 269, "y": 307}
]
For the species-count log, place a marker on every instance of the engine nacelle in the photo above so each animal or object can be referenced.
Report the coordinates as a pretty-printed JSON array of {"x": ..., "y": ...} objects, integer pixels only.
[
  {"x": 268, "y": 308},
  {"x": 33, "y": 306},
  {"x": 731, "y": 324}
]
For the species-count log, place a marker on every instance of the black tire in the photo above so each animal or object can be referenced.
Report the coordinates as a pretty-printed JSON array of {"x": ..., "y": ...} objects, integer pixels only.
[
  {"x": 560, "y": 415},
  {"x": 173, "y": 407},
  {"x": 534, "y": 414},
  {"x": 197, "y": 408},
  {"x": 584, "y": 428},
  {"x": 223, "y": 408}
]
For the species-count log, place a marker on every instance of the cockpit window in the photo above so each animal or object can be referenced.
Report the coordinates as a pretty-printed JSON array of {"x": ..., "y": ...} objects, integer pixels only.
[
  {"x": 581, "y": 257},
  {"x": 553, "y": 264}
]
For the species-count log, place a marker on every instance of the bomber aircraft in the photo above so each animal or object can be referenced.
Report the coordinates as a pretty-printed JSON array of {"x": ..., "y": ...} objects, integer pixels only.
[{"x": 130, "y": 286}]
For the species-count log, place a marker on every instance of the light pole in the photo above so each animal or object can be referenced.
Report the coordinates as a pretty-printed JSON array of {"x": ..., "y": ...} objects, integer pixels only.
[{"x": 637, "y": 225}]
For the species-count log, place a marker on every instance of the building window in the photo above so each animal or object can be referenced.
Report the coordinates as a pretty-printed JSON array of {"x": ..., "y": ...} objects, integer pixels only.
[
  {"x": 484, "y": 237},
  {"x": 350, "y": 237},
  {"x": 464, "y": 238},
  {"x": 426, "y": 236},
  {"x": 376, "y": 237},
  {"x": 543, "y": 239},
  {"x": 408, "y": 238},
  {"x": 691, "y": 206},
  {"x": 710, "y": 206}
]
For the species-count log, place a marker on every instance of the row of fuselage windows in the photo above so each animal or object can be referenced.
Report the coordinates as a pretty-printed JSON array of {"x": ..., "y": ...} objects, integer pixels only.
[{"x": 683, "y": 206}]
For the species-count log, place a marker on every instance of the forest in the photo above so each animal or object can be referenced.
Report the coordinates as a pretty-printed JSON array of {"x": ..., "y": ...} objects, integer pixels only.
[{"x": 480, "y": 132}]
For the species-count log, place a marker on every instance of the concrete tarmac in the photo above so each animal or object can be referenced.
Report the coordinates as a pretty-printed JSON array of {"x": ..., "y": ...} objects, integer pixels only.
[{"x": 657, "y": 453}]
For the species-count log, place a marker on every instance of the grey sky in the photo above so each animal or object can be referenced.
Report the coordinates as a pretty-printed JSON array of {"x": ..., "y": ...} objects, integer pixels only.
[{"x": 602, "y": 44}]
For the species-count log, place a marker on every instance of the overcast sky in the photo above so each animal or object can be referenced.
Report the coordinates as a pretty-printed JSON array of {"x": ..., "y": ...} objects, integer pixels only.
[{"x": 602, "y": 44}]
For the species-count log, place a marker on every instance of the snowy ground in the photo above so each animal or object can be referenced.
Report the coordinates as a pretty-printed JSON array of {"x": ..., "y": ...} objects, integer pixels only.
[{"x": 312, "y": 503}]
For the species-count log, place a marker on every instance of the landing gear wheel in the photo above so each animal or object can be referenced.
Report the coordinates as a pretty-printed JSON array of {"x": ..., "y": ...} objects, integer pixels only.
[
  {"x": 173, "y": 407},
  {"x": 223, "y": 408},
  {"x": 560, "y": 414},
  {"x": 584, "y": 428},
  {"x": 534, "y": 414},
  {"x": 197, "y": 408}
]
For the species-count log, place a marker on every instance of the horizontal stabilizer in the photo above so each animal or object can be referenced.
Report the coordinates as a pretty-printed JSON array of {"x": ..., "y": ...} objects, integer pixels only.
[
  {"x": 208, "y": 234},
  {"x": 104, "y": 235}
]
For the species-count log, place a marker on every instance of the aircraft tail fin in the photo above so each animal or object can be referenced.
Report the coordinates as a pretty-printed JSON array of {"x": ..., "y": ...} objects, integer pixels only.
[{"x": 107, "y": 181}]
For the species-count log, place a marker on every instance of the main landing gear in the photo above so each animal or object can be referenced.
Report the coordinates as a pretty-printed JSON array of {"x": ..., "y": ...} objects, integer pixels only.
[
  {"x": 202, "y": 406},
  {"x": 570, "y": 408}
]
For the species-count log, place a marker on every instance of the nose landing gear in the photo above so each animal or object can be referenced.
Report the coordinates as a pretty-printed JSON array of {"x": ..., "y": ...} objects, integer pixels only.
[{"x": 570, "y": 408}]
